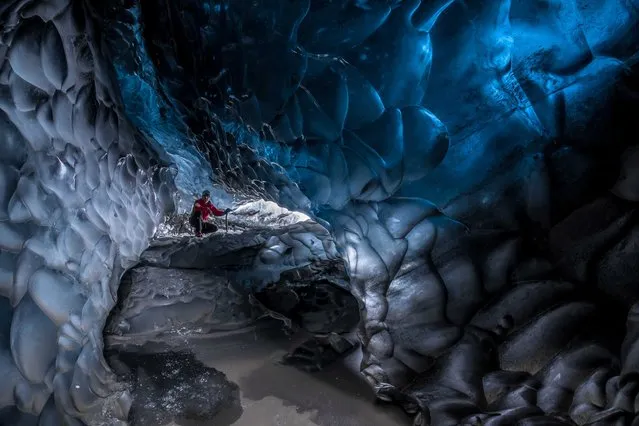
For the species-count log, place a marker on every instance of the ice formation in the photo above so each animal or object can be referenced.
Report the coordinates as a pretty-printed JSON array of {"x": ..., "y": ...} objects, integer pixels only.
[
  {"x": 82, "y": 194},
  {"x": 267, "y": 213},
  {"x": 473, "y": 164}
]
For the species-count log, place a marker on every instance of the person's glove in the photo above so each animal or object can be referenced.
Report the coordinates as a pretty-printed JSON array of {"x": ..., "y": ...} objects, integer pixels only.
[{"x": 227, "y": 211}]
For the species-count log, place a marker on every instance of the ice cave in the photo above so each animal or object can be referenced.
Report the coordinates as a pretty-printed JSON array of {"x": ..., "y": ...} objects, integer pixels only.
[{"x": 433, "y": 212}]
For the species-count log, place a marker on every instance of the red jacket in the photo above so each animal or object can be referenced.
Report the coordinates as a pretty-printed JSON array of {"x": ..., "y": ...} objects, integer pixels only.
[{"x": 206, "y": 208}]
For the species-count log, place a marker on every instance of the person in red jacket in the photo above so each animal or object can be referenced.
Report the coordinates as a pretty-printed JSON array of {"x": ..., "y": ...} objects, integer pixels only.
[{"x": 202, "y": 209}]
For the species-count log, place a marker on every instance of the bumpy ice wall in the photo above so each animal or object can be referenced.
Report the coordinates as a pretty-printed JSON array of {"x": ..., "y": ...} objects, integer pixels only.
[
  {"x": 81, "y": 193},
  {"x": 463, "y": 154}
]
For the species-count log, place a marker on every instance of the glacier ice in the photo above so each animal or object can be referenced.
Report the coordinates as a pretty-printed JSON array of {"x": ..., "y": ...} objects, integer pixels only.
[
  {"x": 474, "y": 164},
  {"x": 82, "y": 195}
]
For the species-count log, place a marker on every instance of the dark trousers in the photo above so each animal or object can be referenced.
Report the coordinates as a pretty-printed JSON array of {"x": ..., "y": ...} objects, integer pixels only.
[{"x": 200, "y": 226}]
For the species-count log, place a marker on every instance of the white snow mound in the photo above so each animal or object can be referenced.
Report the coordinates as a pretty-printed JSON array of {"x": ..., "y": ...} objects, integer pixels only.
[{"x": 267, "y": 213}]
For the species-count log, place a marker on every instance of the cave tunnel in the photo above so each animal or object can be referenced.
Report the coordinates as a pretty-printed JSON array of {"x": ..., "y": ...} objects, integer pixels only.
[{"x": 428, "y": 212}]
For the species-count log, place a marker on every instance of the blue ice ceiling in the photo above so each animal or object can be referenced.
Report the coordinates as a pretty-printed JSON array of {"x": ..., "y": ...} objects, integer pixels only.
[
  {"x": 362, "y": 100},
  {"x": 155, "y": 117}
]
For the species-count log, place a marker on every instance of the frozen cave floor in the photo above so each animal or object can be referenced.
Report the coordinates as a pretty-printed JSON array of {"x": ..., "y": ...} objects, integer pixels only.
[
  {"x": 248, "y": 326},
  {"x": 247, "y": 385}
]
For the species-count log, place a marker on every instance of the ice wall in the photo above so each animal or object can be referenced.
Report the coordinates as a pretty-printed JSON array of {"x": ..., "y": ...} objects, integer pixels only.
[
  {"x": 463, "y": 153},
  {"x": 210, "y": 151},
  {"x": 81, "y": 193},
  {"x": 453, "y": 147},
  {"x": 152, "y": 114}
]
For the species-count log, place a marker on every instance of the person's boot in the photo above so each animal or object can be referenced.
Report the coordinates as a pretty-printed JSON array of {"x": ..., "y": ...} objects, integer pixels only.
[{"x": 198, "y": 234}]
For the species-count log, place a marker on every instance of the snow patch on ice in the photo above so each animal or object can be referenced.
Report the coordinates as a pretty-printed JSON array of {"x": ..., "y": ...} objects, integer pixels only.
[{"x": 268, "y": 213}]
